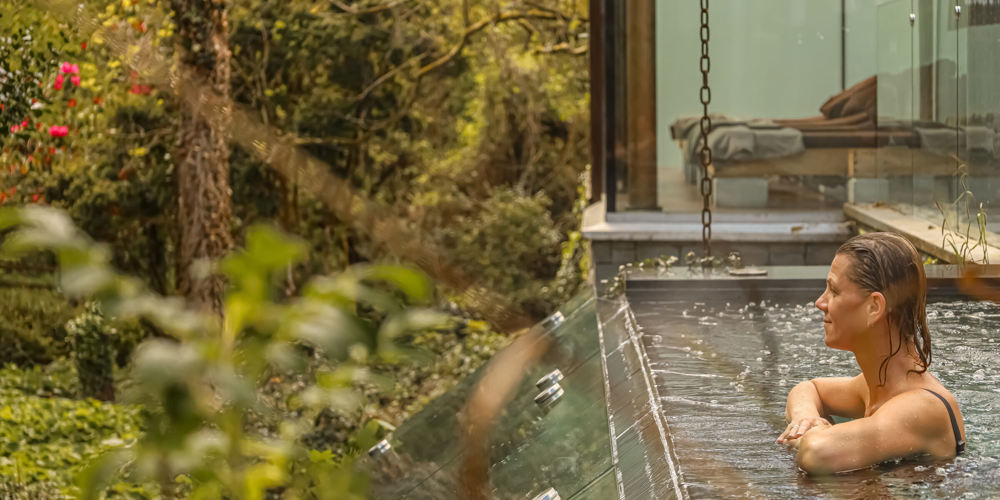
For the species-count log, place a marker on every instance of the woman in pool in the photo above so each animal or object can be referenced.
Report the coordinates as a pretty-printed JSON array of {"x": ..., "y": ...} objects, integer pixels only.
[{"x": 874, "y": 306}]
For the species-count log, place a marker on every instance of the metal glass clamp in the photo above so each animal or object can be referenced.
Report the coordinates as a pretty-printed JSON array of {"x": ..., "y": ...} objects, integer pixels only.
[
  {"x": 549, "y": 494},
  {"x": 379, "y": 448},
  {"x": 553, "y": 321},
  {"x": 550, "y": 395},
  {"x": 551, "y": 378}
]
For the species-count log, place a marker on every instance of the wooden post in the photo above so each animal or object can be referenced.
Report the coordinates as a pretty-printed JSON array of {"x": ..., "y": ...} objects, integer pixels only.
[
  {"x": 598, "y": 127},
  {"x": 640, "y": 90}
]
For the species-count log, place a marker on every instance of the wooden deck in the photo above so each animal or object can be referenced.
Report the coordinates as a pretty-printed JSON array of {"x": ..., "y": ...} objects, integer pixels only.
[{"x": 925, "y": 235}]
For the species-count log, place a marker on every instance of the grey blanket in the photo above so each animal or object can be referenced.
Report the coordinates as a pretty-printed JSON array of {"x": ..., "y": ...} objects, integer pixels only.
[
  {"x": 975, "y": 140},
  {"x": 736, "y": 140}
]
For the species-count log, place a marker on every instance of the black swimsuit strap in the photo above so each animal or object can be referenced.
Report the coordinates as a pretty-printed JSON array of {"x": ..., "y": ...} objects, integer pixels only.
[{"x": 959, "y": 443}]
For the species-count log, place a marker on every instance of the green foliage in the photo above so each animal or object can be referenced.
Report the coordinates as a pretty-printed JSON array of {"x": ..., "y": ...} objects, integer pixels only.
[
  {"x": 435, "y": 144},
  {"x": 199, "y": 391},
  {"x": 48, "y": 440},
  {"x": 33, "y": 329},
  {"x": 482, "y": 152},
  {"x": 440, "y": 359},
  {"x": 31, "y": 42},
  {"x": 964, "y": 241},
  {"x": 93, "y": 353},
  {"x": 504, "y": 244}
]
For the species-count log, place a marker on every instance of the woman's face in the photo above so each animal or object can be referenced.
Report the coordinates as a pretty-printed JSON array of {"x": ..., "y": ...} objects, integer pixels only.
[{"x": 845, "y": 316}]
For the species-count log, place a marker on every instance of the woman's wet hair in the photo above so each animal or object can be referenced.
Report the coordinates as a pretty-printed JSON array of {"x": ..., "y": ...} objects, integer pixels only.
[{"x": 889, "y": 264}]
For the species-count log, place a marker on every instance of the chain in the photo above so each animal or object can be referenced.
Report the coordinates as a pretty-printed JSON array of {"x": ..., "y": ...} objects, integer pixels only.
[{"x": 705, "y": 153}]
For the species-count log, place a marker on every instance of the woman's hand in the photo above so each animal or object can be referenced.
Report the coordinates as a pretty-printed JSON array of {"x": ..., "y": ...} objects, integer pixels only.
[{"x": 799, "y": 426}]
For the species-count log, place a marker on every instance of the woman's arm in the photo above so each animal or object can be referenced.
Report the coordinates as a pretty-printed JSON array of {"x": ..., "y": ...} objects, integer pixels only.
[
  {"x": 803, "y": 411},
  {"x": 903, "y": 426},
  {"x": 811, "y": 402}
]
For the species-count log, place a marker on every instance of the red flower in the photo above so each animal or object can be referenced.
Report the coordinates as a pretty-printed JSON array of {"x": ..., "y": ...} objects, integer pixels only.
[
  {"x": 83, "y": 45},
  {"x": 57, "y": 131},
  {"x": 140, "y": 89},
  {"x": 71, "y": 103},
  {"x": 34, "y": 197},
  {"x": 52, "y": 150},
  {"x": 59, "y": 83},
  {"x": 97, "y": 100}
]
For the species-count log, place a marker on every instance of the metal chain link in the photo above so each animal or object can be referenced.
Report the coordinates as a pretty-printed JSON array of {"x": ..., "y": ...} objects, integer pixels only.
[{"x": 705, "y": 154}]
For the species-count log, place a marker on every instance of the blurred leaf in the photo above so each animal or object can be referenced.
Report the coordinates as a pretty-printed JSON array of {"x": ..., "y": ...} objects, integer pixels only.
[
  {"x": 100, "y": 473},
  {"x": 414, "y": 283}
]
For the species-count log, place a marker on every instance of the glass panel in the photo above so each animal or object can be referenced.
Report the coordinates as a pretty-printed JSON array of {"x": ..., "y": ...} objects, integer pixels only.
[
  {"x": 429, "y": 441},
  {"x": 574, "y": 448},
  {"x": 565, "y": 447},
  {"x": 781, "y": 135},
  {"x": 979, "y": 110},
  {"x": 605, "y": 487},
  {"x": 805, "y": 114},
  {"x": 890, "y": 178}
]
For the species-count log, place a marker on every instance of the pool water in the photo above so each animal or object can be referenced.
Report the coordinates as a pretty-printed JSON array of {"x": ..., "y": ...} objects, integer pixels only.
[{"x": 722, "y": 372}]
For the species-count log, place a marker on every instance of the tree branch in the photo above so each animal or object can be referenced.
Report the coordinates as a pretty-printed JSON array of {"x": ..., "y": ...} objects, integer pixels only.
[
  {"x": 477, "y": 27},
  {"x": 468, "y": 33},
  {"x": 370, "y": 10},
  {"x": 563, "y": 48}
]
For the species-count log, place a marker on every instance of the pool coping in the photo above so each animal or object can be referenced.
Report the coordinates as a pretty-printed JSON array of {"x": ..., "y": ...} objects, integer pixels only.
[
  {"x": 625, "y": 344},
  {"x": 942, "y": 280}
]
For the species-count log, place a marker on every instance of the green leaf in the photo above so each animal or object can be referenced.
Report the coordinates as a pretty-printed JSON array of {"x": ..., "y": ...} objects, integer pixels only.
[
  {"x": 414, "y": 283},
  {"x": 100, "y": 472}
]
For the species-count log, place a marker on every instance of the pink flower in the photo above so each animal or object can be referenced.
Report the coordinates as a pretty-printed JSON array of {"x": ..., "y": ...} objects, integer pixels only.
[
  {"x": 24, "y": 124},
  {"x": 67, "y": 67},
  {"x": 76, "y": 80},
  {"x": 74, "y": 69},
  {"x": 14, "y": 129},
  {"x": 57, "y": 131}
]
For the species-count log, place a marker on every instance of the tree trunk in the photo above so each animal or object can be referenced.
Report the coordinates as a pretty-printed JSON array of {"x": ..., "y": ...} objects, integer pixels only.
[{"x": 202, "y": 156}]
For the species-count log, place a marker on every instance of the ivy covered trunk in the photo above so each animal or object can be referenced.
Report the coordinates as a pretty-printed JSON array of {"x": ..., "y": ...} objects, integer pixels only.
[
  {"x": 202, "y": 154},
  {"x": 92, "y": 353}
]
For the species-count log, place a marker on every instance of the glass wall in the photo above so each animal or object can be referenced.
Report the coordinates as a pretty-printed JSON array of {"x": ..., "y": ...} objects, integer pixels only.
[{"x": 813, "y": 105}]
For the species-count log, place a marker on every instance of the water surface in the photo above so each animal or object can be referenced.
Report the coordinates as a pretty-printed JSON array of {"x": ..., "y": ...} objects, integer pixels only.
[{"x": 723, "y": 372}]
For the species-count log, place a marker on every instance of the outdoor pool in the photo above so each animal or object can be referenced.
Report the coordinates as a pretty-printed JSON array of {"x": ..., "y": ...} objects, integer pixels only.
[{"x": 720, "y": 361}]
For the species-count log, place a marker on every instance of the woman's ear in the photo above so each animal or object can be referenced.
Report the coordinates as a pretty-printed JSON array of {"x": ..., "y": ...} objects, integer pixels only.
[{"x": 876, "y": 308}]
